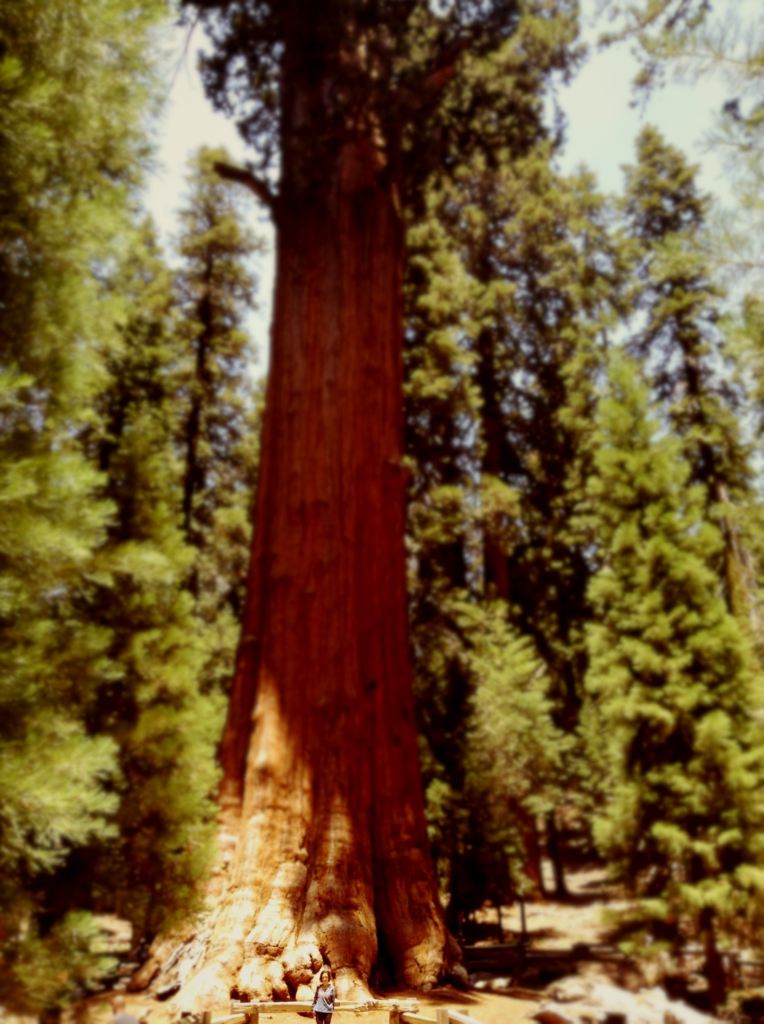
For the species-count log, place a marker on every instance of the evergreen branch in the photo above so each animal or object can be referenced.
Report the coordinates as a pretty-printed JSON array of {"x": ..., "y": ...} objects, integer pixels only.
[{"x": 243, "y": 177}]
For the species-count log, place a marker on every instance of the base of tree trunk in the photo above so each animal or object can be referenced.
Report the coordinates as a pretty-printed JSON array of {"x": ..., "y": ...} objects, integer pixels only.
[{"x": 235, "y": 952}]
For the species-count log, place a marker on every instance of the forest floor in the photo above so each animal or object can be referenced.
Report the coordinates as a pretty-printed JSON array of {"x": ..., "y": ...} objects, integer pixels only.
[
  {"x": 560, "y": 924},
  {"x": 577, "y": 934},
  {"x": 486, "y": 1007}
]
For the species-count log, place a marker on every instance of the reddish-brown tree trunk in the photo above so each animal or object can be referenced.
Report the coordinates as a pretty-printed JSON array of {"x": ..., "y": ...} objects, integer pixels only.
[{"x": 319, "y": 755}]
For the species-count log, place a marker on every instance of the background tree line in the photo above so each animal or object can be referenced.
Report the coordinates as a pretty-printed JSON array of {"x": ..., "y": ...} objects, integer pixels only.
[
  {"x": 583, "y": 404},
  {"x": 128, "y": 456},
  {"x": 584, "y": 517}
]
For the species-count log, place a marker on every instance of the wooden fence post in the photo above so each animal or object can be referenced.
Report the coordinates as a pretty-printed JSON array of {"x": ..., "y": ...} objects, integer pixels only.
[
  {"x": 441, "y": 1015},
  {"x": 207, "y": 1017}
]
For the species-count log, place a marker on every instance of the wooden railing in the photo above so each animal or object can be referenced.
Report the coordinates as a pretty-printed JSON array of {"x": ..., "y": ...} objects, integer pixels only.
[{"x": 401, "y": 1011}]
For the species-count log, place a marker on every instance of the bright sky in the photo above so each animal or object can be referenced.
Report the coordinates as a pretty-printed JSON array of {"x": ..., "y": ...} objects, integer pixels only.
[
  {"x": 188, "y": 123},
  {"x": 602, "y": 128}
]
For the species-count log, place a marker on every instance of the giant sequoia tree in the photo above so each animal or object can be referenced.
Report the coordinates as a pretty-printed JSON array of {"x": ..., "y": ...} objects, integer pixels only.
[{"x": 344, "y": 103}]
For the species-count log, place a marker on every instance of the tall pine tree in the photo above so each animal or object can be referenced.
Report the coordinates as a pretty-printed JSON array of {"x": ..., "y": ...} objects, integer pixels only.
[
  {"x": 451, "y": 508},
  {"x": 73, "y": 145},
  {"x": 153, "y": 707},
  {"x": 673, "y": 724},
  {"x": 516, "y": 278},
  {"x": 219, "y": 403},
  {"x": 682, "y": 342}
]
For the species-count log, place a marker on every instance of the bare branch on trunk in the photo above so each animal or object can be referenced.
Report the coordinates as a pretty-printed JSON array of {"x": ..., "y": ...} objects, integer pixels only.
[{"x": 244, "y": 177}]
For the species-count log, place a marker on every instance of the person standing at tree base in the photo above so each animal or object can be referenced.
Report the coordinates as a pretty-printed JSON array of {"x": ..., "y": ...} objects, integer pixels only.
[{"x": 323, "y": 1000}]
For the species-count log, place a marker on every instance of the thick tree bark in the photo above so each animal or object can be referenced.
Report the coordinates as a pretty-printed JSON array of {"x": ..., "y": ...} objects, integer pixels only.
[{"x": 320, "y": 754}]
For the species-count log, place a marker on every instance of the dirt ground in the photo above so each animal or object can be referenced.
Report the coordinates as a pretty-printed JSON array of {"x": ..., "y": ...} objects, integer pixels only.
[
  {"x": 486, "y": 1007},
  {"x": 550, "y": 925},
  {"x": 560, "y": 925}
]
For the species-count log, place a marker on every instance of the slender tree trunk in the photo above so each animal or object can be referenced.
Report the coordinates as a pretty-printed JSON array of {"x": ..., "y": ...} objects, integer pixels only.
[
  {"x": 713, "y": 967},
  {"x": 532, "y": 846},
  {"x": 496, "y": 458},
  {"x": 494, "y": 555},
  {"x": 320, "y": 752},
  {"x": 554, "y": 848},
  {"x": 740, "y": 583},
  {"x": 194, "y": 475}
]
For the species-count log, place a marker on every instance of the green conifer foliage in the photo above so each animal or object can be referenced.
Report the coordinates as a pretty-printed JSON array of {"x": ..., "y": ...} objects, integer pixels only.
[
  {"x": 681, "y": 338},
  {"x": 74, "y": 81},
  {"x": 448, "y": 507},
  {"x": 220, "y": 402},
  {"x": 515, "y": 760},
  {"x": 165, "y": 729},
  {"x": 682, "y": 343},
  {"x": 541, "y": 283},
  {"x": 672, "y": 722},
  {"x": 512, "y": 279},
  {"x": 441, "y": 415},
  {"x": 54, "y": 775},
  {"x": 551, "y": 275},
  {"x": 558, "y": 277},
  {"x": 727, "y": 44},
  {"x": 655, "y": 25},
  {"x": 73, "y": 144}
]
